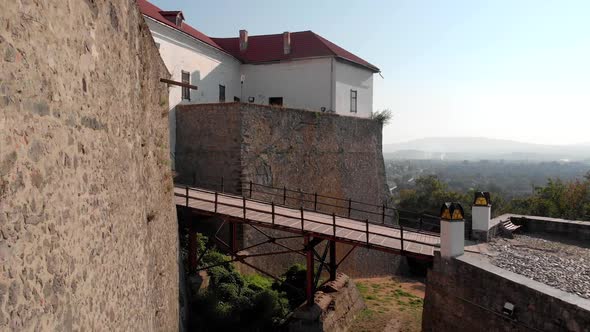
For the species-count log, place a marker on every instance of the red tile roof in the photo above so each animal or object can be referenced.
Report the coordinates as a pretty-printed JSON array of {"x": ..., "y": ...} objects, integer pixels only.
[
  {"x": 304, "y": 44},
  {"x": 264, "y": 48},
  {"x": 152, "y": 11}
]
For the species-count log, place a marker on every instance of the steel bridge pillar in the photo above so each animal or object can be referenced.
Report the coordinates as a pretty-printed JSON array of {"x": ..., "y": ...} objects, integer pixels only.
[
  {"x": 310, "y": 271},
  {"x": 333, "y": 263}
]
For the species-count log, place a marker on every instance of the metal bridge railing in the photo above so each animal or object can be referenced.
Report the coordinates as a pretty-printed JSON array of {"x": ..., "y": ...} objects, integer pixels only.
[
  {"x": 342, "y": 207},
  {"x": 301, "y": 220}
]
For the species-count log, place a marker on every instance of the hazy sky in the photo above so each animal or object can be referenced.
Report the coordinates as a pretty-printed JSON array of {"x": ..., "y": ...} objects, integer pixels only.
[{"x": 510, "y": 69}]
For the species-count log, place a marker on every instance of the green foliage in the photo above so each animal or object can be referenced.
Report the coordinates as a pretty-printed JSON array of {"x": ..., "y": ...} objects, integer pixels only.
[
  {"x": 557, "y": 199},
  {"x": 292, "y": 285},
  {"x": 429, "y": 195},
  {"x": 233, "y": 301},
  {"x": 258, "y": 282}
]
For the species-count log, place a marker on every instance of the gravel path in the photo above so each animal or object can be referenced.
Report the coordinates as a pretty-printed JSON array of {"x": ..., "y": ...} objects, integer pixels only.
[{"x": 560, "y": 265}]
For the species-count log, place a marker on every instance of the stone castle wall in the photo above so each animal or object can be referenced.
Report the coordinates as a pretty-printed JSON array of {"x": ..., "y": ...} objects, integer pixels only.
[
  {"x": 88, "y": 233},
  {"x": 325, "y": 153}
]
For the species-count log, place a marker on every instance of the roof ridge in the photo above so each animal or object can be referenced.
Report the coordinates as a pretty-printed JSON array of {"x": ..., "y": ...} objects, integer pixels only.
[{"x": 266, "y": 35}]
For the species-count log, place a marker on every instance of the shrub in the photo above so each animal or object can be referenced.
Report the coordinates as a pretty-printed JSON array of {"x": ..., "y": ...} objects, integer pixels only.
[{"x": 383, "y": 116}]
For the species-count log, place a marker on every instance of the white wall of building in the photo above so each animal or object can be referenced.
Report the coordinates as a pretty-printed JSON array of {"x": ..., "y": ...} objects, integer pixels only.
[
  {"x": 351, "y": 77},
  {"x": 208, "y": 68},
  {"x": 305, "y": 83}
]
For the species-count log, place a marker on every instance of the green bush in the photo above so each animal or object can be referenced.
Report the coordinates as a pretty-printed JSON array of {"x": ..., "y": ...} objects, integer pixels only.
[
  {"x": 236, "y": 302},
  {"x": 293, "y": 285},
  {"x": 383, "y": 116}
]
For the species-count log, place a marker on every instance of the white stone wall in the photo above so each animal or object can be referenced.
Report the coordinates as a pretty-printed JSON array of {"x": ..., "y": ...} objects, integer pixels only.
[
  {"x": 304, "y": 84},
  {"x": 209, "y": 68},
  {"x": 351, "y": 77}
]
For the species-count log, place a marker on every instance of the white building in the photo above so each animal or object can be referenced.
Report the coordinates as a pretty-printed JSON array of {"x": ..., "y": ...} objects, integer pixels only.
[{"x": 296, "y": 70}]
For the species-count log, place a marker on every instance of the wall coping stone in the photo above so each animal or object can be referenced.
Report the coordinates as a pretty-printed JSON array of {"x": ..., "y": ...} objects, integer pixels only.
[
  {"x": 253, "y": 106},
  {"x": 539, "y": 218},
  {"x": 483, "y": 263}
]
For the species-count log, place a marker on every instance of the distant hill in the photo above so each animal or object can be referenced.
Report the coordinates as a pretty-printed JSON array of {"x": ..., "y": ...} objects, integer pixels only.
[{"x": 476, "y": 148}]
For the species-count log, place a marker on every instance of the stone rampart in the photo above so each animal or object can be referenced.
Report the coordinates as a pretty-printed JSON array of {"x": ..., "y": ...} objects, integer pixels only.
[{"x": 88, "y": 233}]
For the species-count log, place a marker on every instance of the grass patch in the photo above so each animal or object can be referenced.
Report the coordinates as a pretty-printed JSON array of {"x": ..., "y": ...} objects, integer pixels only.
[
  {"x": 388, "y": 299},
  {"x": 258, "y": 281}
]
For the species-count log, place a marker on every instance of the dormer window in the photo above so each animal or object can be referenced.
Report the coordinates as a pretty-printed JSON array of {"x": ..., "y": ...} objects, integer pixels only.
[{"x": 175, "y": 17}]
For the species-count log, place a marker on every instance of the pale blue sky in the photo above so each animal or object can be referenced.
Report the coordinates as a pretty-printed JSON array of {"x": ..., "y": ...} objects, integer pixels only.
[{"x": 510, "y": 69}]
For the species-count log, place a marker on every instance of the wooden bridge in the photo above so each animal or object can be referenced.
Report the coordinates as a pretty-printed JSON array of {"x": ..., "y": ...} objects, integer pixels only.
[
  {"x": 310, "y": 223},
  {"x": 364, "y": 233}
]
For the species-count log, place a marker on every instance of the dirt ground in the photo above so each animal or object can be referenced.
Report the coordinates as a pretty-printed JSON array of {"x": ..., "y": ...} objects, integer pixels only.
[{"x": 393, "y": 304}]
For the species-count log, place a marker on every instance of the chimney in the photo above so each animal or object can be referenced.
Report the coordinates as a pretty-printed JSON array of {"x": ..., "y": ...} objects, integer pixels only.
[
  {"x": 481, "y": 213},
  {"x": 175, "y": 17},
  {"x": 243, "y": 40},
  {"x": 286, "y": 42},
  {"x": 452, "y": 230}
]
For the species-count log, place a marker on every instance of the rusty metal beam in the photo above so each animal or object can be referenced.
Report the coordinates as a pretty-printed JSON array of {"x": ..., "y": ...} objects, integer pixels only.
[
  {"x": 309, "y": 272},
  {"x": 332, "y": 266},
  {"x": 184, "y": 85}
]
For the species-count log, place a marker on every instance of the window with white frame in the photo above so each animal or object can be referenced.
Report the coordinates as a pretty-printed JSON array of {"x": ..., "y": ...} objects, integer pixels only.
[
  {"x": 353, "y": 101},
  {"x": 186, "y": 92}
]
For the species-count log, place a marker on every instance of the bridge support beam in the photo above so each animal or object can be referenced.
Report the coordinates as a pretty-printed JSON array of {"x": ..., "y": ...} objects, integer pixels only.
[
  {"x": 309, "y": 272},
  {"x": 333, "y": 262},
  {"x": 233, "y": 237}
]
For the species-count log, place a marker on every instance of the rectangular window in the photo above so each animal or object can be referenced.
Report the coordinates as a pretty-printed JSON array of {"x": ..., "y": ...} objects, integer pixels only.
[
  {"x": 275, "y": 101},
  {"x": 353, "y": 101},
  {"x": 221, "y": 93},
  {"x": 186, "y": 92}
]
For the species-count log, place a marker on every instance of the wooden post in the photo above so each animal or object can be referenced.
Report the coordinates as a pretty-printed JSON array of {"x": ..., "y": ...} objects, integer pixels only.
[
  {"x": 222, "y": 187},
  {"x": 244, "y": 203},
  {"x": 383, "y": 214},
  {"x": 250, "y": 189}
]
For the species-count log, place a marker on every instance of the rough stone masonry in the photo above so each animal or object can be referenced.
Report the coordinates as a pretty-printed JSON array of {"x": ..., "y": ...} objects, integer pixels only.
[
  {"x": 88, "y": 233},
  {"x": 333, "y": 155}
]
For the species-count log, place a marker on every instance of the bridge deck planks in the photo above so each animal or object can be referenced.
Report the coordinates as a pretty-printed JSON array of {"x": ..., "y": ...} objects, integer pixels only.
[{"x": 290, "y": 218}]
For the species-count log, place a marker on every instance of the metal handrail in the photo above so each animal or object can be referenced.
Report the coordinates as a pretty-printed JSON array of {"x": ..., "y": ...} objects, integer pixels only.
[
  {"x": 319, "y": 212},
  {"x": 349, "y": 207},
  {"x": 302, "y": 218}
]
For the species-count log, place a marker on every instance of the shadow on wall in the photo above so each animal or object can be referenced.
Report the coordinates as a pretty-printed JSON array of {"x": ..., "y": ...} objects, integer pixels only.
[{"x": 207, "y": 92}]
